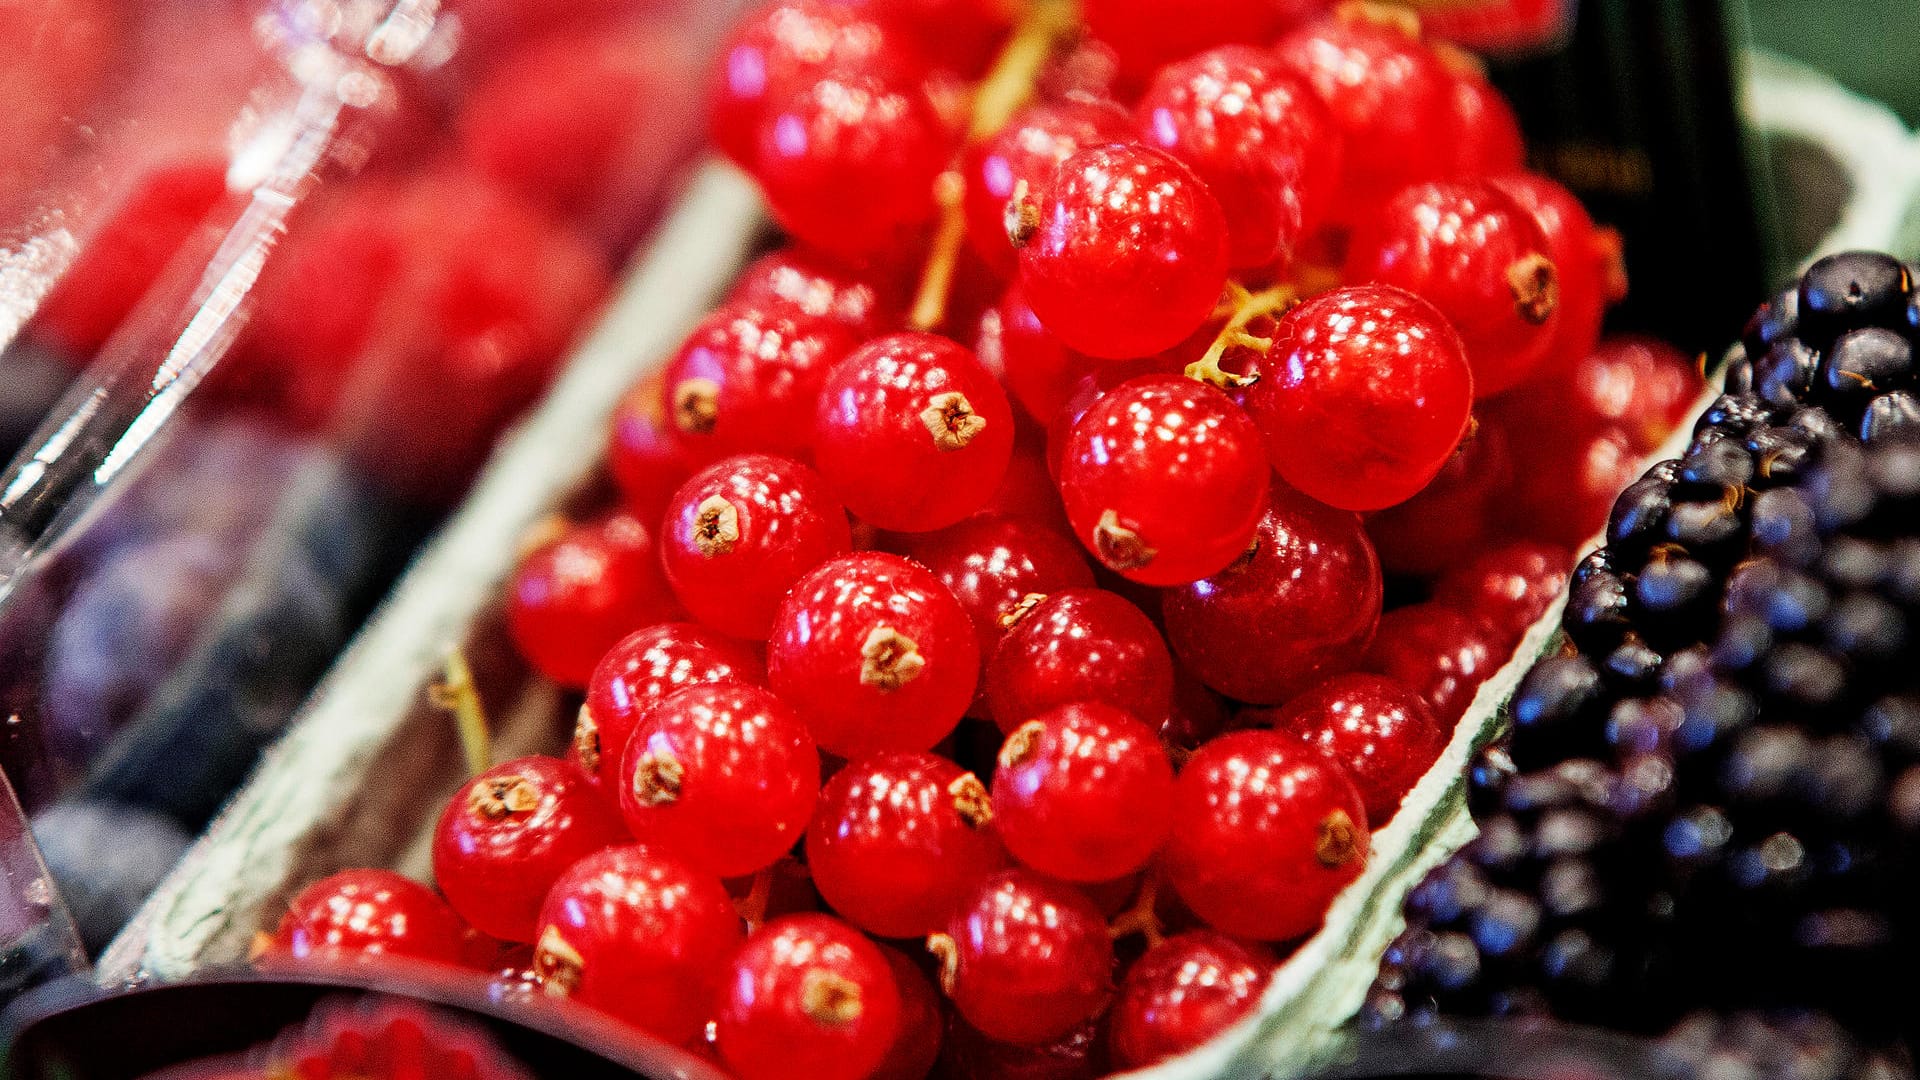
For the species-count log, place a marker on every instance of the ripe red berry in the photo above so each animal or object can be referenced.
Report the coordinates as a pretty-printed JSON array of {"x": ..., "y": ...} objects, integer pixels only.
[
  {"x": 1025, "y": 960},
  {"x": 1438, "y": 651},
  {"x": 1145, "y": 34},
  {"x": 1380, "y": 732},
  {"x": 358, "y": 914},
  {"x": 863, "y": 302},
  {"x": 898, "y": 839},
  {"x": 807, "y": 995},
  {"x": 637, "y": 932},
  {"x": 1038, "y": 371},
  {"x": 1362, "y": 397},
  {"x": 1164, "y": 480},
  {"x": 1078, "y": 645},
  {"x": 647, "y": 462},
  {"x": 1264, "y": 833},
  {"x": 1258, "y": 135},
  {"x": 574, "y": 596},
  {"x": 992, "y": 562},
  {"x": 723, "y": 774},
  {"x": 1455, "y": 515},
  {"x": 1299, "y": 607},
  {"x": 874, "y": 653},
  {"x": 1510, "y": 586},
  {"x": 1081, "y": 793},
  {"x": 510, "y": 832},
  {"x": 912, "y": 433},
  {"x": 1183, "y": 992},
  {"x": 741, "y": 532},
  {"x": 746, "y": 380},
  {"x": 1571, "y": 480},
  {"x": 1487, "y": 135},
  {"x": 1027, "y": 149},
  {"x": 1580, "y": 258},
  {"x": 969, "y": 1054},
  {"x": 916, "y": 1046},
  {"x": 642, "y": 669},
  {"x": 1123, "y": 253},
  {"x": 1639, "y": 386}
]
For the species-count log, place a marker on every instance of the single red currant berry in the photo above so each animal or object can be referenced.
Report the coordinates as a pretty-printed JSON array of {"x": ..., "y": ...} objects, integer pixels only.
[
  {"x": 1025, "y": 960},
  {"x": 1487, "y": 135},
  {"x": 1362, "y": 397},
  {"x": 746, "y": 379},
  {"x": 917, "y": 1044},
  {"x": 1571, "y": 480},
  {"x": 1025, "y": 152},
  {"x": 1586, "y": 264},
  {"x": 1438, "y": 651},
  {"x": 897, "y": 839},
  {"x": 1479, "y": 257},
  {"x": 1511, "y": 586},
  {"x": 1078, "y": 645},
  {"x": 1639, "y": 386},
  {"x": 1382, "y": 733},
  {"x": 1455, "y": 515},
  {"x": 1198, "y": 713},
  {"x": 874, "y": 653},
  {"x": 575, "y": 595},
  {"x": 912, "y": 433},
  {"x": 741, "y": 532},
  {"x": 970, "y": 1054},
  {"x": 1144, "y": 35},
  {"x": 510, "y": 832},
  {"x": 642, "y": 669},
  {"x": 1258, "y": 135},
  {"x": 637, "y": 932},
  {"x": 1038, "y": 371},
  {"x": 991, "y": 563},
  {"x": 1164, "y": 480},
  {"x": 1123, "y": 252},
  {"x": 356, "y": 914},
  {"x": 723, "y": 774},
  {"x": 865, "y": 302},
  {"x": 1264, "y": 833},
  {"x": 1183, "y": 992},
  {"x": 647, "y": 462},
  {"x": 1301, "y": 605},
  {"x": 1081, "y": 793},
  {"x": 807, "y": 995}
]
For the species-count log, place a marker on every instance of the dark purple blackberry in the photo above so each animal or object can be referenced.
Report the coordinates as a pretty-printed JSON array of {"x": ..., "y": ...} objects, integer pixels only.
[{"x": 1777, "y": 1046}]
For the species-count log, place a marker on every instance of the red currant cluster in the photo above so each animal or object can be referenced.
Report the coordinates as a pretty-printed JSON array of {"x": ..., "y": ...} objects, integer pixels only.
[{"x": 1041, "y": 649}]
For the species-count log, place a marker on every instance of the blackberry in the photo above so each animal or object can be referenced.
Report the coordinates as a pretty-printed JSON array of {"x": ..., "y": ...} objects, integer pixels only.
[{"x": 1779, "y": 1046}]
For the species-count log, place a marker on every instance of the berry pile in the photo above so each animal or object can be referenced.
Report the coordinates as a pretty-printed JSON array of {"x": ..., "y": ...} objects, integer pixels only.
[
  {"x": 1708, "y": 796},
  {"x": 1066, "y": 653}
]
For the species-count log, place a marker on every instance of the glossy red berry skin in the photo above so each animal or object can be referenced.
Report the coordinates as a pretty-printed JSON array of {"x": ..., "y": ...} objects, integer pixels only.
[
  {"x": 1578, "y": 255},
  {"x": 874, "y": 654},
  {"x": 1564, "y": 494},
  {"x": 1363, "y": 396},
  {"x": 741, "y": 532},
  {"x": 366, "y": 914},
  {"x": 1079, "y": 645},
  {"x": 1128, "y": 254},
  {"x": 746, "y": 379},
  {"x": 1037, "y": 370},
  {"x": 1183, "y": 992},
  {"x": 510, "y": 832},
  {"x": 990, "y": 562},
  {"x": 1301, "y": 607},
  {"x": 807, "y": 995},
  {"x": 1440, "y": 652},
  {"x": 638, "y": 672},
  {"x": 1380, "y": 732},
  {"x": 723, "y": 774},
  {"x": 1487, "y": 136},
  {"x": 637, "y": 932},
  {"x": 575, "y": 595},
  {"x": 1454, "y": 516},
  {"x": 912, "y": 433},
  {"x": 1145, "y": 35},
  {"x": 1164, "y": 480},
  {"x": 969, "y": 1054},
  {"x": 917, "y": 1044},
  {"x": 1511, "y": 586},
  {"x": 1479, "y": 257},
  {"x": 644, "y": 455},
  {"x": 1639, "y": 386},
  {"x": 1030, "y": 958},
  {"x": 1081, "y": 793},
  {"x": 865, "y": 302},
  {"x": 898, "y": 839},
  {"x": 1258, "y": 135},
  {"x": 1033, "y": 143},
  {"x": 1264, "y": 833}
]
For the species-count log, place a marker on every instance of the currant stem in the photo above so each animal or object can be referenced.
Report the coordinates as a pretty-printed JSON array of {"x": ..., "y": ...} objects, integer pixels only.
[
  {"x": 457, "y": 695},
  {"x": 1141, "y": 918},
  {"x": 1242, "y": 307}
]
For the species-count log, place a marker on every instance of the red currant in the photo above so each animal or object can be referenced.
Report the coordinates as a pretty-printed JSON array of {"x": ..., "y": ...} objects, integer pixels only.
[
  {"x": 647, "y": 462},
  {"x": 1025, "y": 960},
  {"x": 1081, "y": 793},
  {"x": 960, "y": 34},
  {"x": 1078, "y": 645},
  {"x": 1438, "y": 651},
  {"x": 864, "y": 303},
  {"x": 1037, "y": 139},
  {"x": 1258, "y": 135},
  {"x": 741, "y": 532},
  {"x": 575, "y": 595},
  {"x": 807, "y": 995},
  {"x": 1362, "y": 396},
  {"x": 1510, "y": 586},
  {"x": 640, "y": 670},
  {"x": 1564, "y": 493},
  {"x": 898, "y": 839},
  {"x": 1198, "y": 713},
  {"x": 991, "y": 563},
  {"x": 370, "y": 913},
  {"x": 746, "y": 380},
  {"x": 1642, "y": 387},
  {"x": 1455, "y": 515},
  {"x": 1038, "y": 371},
  {"x": 1164, "y": 480},
  {"x": 875, "y": 654},
  {"x": 1145, "y": 35},
  {"x": 1300, "y": 606},
  {"x": 912, "y": 432},
  {"x": 1124, "y": 253},
  {"x": 1579, "y": 257},
  {"x": 1380, "y": 732},
  {"x": 1264, "y": 833},
  {"x": 1183, "y": 992},
  {"x": 1487, "y": 135},
  {"x": 1028, "y": 491},
  {"x": 969, "y": 1054},
  {"x": 917, "y": 1045},
  {"x": 510, "y": 832}
]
